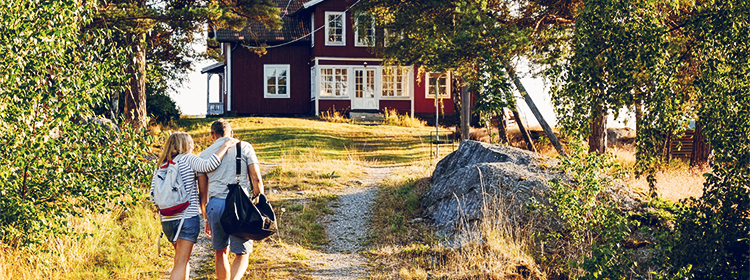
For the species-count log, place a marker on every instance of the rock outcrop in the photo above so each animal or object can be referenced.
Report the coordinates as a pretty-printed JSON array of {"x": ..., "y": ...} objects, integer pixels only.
[
  {"x": 480, "y": 175},
  {"x": 463, "y": 180}
]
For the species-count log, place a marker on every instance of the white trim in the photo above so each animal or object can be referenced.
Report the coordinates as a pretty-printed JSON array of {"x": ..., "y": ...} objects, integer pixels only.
[
  {"x": 315, "y": 89},
  {"x": 229, "y": 77},
  {"x": 357, "y": 42},
  {"x": 211, "y": 67},
  {"x": 347, "y": 59},
  {"x": 429, "y": 94},
  {"x": 312, "y": 25},
  {"x": 266, "y": 69},
  {"x": 328, "y": 21}
]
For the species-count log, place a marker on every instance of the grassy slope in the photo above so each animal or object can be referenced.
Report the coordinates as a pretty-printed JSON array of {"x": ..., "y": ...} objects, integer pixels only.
[{"x": 277, "y": 138}]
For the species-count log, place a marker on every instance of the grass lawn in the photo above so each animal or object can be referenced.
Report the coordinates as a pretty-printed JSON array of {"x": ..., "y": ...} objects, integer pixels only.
[{"x": 275, "y": 139}]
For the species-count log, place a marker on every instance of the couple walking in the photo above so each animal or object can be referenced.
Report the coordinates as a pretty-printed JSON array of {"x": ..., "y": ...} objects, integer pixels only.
[{"x": 212, "y": 170}]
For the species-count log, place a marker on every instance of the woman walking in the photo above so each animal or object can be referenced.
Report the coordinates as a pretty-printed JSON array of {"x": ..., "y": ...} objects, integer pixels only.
[{"x": 178, "y": 150}]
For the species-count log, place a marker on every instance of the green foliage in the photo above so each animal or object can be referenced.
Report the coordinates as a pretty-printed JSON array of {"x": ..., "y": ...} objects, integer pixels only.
[
  {"x": 478, "y": 40},
  {"x": 712, "y": 233},
  {"x": 161, "y": 107},
  {"x": 595, "y": 228},
  {"x": 57, "y": 161}
]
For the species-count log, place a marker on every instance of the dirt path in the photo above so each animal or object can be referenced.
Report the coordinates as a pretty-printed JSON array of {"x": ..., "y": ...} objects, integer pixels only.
[{"x": 347, "y": 228}]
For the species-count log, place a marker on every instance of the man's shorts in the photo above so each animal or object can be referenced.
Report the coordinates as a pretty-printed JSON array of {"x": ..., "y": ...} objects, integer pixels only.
[
  {"x": 190, "y": 229},
  {"x": 219, "y": 238}
]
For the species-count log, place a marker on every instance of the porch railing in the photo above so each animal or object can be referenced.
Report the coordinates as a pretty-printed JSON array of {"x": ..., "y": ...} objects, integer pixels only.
[{"x": 215, "y": 108}]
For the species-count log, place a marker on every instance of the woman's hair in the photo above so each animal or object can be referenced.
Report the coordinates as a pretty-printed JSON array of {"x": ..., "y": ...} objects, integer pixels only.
[{"x": 177, "y": 143}]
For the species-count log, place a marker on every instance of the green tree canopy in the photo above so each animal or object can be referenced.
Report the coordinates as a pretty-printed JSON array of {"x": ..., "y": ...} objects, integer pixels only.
[{"x": 59, "y": 159}]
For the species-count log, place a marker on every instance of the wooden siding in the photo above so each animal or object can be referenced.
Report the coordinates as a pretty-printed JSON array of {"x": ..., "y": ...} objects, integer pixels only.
[
  {"x": 424, "y": 105},
  {"x": 247, "y": 80},
  {"x": 348, "y": 50},
  {"x": 685, "y": 152},
  {"x": 401, "y": 106},
  {"x": 343, "y": 106}
]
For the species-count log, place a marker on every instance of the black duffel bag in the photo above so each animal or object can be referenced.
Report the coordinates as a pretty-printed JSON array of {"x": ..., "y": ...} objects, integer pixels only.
[{"x": 244, "y": 219}]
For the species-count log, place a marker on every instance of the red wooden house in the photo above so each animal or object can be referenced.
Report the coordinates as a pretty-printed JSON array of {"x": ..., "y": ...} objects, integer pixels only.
[{"x": 321, "y": 59}]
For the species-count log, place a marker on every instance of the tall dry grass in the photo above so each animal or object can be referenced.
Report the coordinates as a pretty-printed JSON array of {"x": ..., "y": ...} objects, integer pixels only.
[
  {"x": 392, "y": 117},
  {"x": 496, "y": 248},
  {"x": 108, "y": 246},
  {"x": 674, "y": 181},
  {"x": 334, "y": 116}
]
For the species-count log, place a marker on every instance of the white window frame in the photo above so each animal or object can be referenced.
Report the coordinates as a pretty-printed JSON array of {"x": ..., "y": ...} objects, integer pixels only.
[
  {"x": 312, "y": 29},
  {"x": 430, "y": 92},
  {"x": 406, "y": 82},
  {"x": 267, "y": 68},
  {"x": 336, "y": 81},
  {"x": 357, "y": 39},
  {"x": 328, "y": 21}
]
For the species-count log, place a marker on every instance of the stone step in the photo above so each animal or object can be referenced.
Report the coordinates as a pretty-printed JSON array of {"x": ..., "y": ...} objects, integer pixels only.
[{"x": 358, "y": 117}]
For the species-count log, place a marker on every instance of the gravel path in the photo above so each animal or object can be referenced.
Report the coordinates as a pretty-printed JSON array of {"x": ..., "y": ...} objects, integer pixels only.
[{"x": 347, "y": 229}]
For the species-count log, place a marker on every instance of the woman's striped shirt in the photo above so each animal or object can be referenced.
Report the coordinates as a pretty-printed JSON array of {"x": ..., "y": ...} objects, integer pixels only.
[{"x": 188, "y": 165}]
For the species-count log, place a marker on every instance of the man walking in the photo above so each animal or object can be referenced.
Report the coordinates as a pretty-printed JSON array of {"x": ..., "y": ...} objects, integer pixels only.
[{"x": 213, "y": 191}]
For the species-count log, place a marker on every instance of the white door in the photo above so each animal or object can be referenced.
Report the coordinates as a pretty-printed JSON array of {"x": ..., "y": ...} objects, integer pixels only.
[{"x": 365, "y": 97}]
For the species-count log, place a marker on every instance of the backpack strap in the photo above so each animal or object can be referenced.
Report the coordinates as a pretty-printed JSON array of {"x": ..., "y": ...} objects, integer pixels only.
[{"x": 239, "y": 162}]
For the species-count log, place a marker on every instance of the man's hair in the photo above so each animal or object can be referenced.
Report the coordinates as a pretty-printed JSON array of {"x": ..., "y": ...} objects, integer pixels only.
[{"x": 221, "y": 127}]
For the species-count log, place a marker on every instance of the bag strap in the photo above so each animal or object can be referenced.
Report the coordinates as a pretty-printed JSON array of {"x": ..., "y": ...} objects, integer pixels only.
[
  {"x": 239, "y": 169},
  {"x": 239, "y": 162}
]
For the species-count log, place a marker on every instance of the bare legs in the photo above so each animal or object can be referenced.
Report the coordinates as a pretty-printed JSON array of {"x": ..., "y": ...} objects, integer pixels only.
[
  {"x": 237, "y": 269},
  {"x": 182, "y": 249}
]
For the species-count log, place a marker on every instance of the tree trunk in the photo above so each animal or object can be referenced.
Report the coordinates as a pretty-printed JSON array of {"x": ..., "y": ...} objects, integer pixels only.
[
  {"x": 550, "y": 134},
  {"x": 502, "y": 132},
  {"x": 598, "y": 137},
  {"x": 524, "y": 132},
  {"x": 638, "y": 119},
  {"x": 135, "y": 96},
  {"x": 701, "y": 149},
  {"x": 465, "y": 110}
]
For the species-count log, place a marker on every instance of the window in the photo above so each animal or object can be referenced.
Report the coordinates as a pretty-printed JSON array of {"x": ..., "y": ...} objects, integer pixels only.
[
  {"x": 312, "y": 28},
  {"x": 364, "y": 30},
  {"x": 391, "y": 37},
  {"x": 334, "y": 82},
  {"x": 443, "y": 85},
  {"x": 276, "y": 81},
  {"x": 364, "y": 83},
  {"x": 335, "y": 31},
  {"x": 395, "y": 82}
]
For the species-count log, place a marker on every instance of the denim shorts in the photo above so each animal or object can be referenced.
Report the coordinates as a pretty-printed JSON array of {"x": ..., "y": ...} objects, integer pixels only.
[
  {"x": 219, "y": 238},
  {"x": 190, "y": 229}
]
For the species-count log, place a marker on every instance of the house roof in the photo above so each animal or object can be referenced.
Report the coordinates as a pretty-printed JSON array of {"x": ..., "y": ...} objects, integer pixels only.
[
  {"x": 255, "y": 32},
  {"x": 213, "y": 68},
  {"x": 312, "y": 3}
]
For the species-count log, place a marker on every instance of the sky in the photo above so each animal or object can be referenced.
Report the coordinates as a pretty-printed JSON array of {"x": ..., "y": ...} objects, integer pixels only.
[{"x": 191, "y": 97}]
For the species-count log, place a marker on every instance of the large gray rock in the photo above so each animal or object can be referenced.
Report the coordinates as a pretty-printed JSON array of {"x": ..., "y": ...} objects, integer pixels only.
[
  {"x": 465, "y": 180},
  {"x": 481, "y": 178}
]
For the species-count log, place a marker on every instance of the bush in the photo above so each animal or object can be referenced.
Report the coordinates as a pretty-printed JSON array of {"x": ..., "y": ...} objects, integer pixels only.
[{"x": 56, "y": 163}]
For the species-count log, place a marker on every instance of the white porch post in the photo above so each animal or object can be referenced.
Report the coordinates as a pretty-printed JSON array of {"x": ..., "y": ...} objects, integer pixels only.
[
  {"x": 411, "y": 89},
  {"x": 208, "y": 90},
  {"x": 229, "y": 77},
  {"x": 315, "y": 89}
]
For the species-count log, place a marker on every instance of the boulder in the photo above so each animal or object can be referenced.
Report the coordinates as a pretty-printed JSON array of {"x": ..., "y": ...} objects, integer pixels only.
[
  {"x": 620, "y": 136},
  {"x": 464, "y": 180},
  {"x": 479, "y": 176}
]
